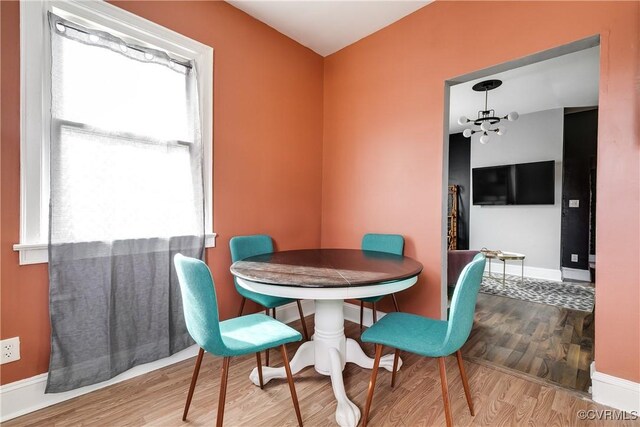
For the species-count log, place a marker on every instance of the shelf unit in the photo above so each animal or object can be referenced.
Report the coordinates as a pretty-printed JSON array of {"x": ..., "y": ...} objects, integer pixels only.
[{"x": 452, "y": 218}]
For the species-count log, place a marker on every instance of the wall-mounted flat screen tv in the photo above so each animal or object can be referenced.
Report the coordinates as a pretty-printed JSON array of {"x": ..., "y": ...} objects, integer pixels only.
[
  {"x": 493, "y": 186},
  {"x": 518, "y": 184}
]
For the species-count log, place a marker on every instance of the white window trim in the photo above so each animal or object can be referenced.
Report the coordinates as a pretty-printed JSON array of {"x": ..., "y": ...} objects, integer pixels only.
[{"x": 35, "y": 102}]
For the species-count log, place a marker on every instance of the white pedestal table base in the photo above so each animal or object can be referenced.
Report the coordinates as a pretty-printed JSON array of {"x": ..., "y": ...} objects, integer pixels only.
[{"x": 329, "y": 351}]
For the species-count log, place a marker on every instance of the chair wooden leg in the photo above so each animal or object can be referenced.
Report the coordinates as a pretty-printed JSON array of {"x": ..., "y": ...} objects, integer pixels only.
[
  {"x": 304, "y": 324},
  {"x": 375, "y": 313},
  {"x": 274, "y": 312},
  {"x": 266, "y": 352},
  {"x": 395, "y": 302},
  {"x": 192, "y": 387},
  {"x": 259, "y": 363},
  {"x": 396, "y": 356},
  {"x": 224, "y": 374},
  {"x": 465, "y": 382},
  {"x": 445, "y": 391},
  {"x": 292, "y": 387},
  {"x": 242, "y": 306},
  {"x": 361, "y": 314},
  {"x": 372, "y": 384}
]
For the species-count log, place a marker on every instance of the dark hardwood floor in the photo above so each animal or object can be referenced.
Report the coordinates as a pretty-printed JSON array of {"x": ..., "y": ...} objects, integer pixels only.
[{"x": 550, "y": 343}]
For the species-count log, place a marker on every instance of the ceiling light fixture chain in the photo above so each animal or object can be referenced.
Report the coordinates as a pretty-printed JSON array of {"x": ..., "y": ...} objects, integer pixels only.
[{"x": 486, "y": 118}]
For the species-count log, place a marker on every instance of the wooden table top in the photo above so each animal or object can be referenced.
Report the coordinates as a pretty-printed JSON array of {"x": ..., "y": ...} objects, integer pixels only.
[{"x": 321, "y": 268}]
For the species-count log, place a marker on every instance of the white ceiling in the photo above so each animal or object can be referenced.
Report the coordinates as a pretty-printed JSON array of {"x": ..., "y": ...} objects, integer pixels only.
[
  {"x": 566, "y": 81},
  {"x": 326, "y": 26}
]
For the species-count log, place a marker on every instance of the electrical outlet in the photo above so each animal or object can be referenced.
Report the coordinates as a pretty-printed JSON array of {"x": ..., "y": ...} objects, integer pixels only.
[
  {"x": 574, "y": 203},
  {"x": 574, "y": 257},
  {"x": 10, "y": 350}
]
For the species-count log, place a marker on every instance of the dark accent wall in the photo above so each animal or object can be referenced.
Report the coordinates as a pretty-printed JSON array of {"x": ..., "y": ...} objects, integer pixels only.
[
  {"x": 578, "y": 182},
  {"x": 460, "y": 175}
]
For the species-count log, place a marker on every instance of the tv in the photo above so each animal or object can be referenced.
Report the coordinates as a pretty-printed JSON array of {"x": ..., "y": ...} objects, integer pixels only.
[
  {"x": 535, "y": 183},
  {"x": 493, "y": 186},
  {"x": 517, "y": 184}
]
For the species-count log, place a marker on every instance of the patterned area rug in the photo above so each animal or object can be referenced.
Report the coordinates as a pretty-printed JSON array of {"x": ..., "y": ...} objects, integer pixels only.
[{"x": 569, "y": 295}]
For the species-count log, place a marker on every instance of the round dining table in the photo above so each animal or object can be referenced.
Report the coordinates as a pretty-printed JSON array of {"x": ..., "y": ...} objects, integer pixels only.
[{"x": 328, "y": 276}]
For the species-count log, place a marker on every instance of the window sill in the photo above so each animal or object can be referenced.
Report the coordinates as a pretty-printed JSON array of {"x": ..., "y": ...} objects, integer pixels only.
[{"x": 39, "y": 253}]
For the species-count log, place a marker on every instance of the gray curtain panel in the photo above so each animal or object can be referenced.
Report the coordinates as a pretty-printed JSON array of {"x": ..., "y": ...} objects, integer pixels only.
[{"x": 126, "y": 195}]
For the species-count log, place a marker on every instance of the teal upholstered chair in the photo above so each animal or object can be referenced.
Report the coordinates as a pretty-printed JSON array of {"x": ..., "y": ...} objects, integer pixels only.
[
  {"x": 244, "y": 247},
  {"x": 391, "y": 243},
  {"x": 234, "y": 337},
  {"x": 429, "y": 337}
]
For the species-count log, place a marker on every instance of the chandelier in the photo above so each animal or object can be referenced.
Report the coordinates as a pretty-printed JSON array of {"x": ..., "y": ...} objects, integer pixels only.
[{"x": 486, "y": 118}]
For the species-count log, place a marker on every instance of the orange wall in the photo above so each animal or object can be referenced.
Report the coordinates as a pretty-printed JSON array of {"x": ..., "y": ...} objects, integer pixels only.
[
  {"x": 267, "y": 155},
  {"x": 379, "y": 166},
  {"x": 383, "y": 140}
]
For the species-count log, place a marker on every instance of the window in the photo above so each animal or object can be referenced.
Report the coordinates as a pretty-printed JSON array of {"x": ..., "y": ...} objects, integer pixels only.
[{"x": 74, "y": 119}]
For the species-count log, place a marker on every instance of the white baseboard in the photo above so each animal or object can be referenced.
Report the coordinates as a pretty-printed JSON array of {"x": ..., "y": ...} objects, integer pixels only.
[
  {"x": 615, "y": 392},
  {"x": 352, "y": 314},
  {"x": 25, "y": 396},
  {"x": 514, "y": 268},
  {"x": 576, "y": 274},
  {"x": 289, "y": 313}
]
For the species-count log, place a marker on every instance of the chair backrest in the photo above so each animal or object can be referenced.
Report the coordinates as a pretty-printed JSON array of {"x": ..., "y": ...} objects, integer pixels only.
[
  {"x": 199, "y": 303},
  {"x": 463, "y": 304},
  {"x": 246, "y": 246},
  {"x": 390, "y": 243}
]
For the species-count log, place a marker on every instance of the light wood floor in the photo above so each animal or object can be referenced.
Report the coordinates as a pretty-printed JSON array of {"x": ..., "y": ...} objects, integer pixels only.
[
  {"x": 157, "y": 398},
  {"x": 551, "y": 343}
]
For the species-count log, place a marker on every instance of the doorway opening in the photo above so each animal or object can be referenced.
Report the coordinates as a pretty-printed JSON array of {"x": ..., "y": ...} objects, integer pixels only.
[{"x": 520, "y": 186}]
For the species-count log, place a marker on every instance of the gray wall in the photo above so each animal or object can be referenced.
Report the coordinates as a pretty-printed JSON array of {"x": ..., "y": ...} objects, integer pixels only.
[{"x": 531, "y": 230}]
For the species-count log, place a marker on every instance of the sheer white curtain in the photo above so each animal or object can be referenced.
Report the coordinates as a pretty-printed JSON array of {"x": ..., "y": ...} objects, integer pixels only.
[
  {"x": 127, "y": 141},
  {"x": 126, "y": 194}
]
